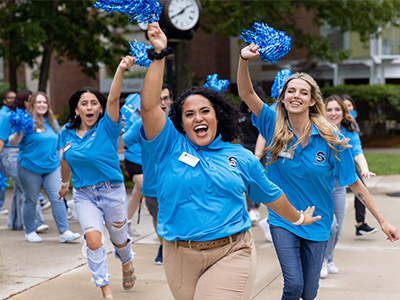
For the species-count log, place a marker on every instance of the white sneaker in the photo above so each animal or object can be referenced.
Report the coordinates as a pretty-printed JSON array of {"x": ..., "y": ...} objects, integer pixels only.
[
  {"x": 332, "y": 269},
  {"x": 42, "y": 227},
  {"x": 69, "y": 236},
  {"x": 33, "y": 237},
  {"x": 3, "y": 211},
  {"x": 324, "y": 269},
  {"x": 45, "y": 205},
  {"x": 254, "y": 215},
  {"x": 264, "y": 225}
]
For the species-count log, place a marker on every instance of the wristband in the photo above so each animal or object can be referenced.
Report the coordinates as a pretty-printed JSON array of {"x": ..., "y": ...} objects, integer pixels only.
[
  {"x": 240, "y": 53},
  {"x": 300, "y": 220},
  {"x": 152, "y": 54},
  {"x": 64, "y": 184}
]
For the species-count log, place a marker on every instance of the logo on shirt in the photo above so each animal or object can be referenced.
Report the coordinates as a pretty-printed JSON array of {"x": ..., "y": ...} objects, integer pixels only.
[
  {"x": 320, "y": 157},
  {"x": 232, "y": 161}
]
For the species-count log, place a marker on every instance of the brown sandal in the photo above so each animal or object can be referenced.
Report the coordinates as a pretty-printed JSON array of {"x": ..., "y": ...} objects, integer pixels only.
[{"x": 131, "y": 278}]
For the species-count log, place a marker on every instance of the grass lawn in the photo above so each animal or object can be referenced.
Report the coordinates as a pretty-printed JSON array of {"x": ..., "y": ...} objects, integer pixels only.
[{"x": 383, "y": 164}]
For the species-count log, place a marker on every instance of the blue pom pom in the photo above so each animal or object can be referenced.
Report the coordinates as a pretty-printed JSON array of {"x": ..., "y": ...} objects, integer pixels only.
[
  {"x": 21, "y": 120},
  {"x": 216, "y": 84},
  {"x": 3, "y": 182},
  {"x": 274, "y": 44},
  {"x": 139, "y": 11},
  {"x": 279, "y": 82},
  {"x": 138, "y": 49}
]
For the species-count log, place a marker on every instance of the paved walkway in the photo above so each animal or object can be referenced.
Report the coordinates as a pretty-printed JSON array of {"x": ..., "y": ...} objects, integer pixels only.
[{"x": 369, "y": 266}]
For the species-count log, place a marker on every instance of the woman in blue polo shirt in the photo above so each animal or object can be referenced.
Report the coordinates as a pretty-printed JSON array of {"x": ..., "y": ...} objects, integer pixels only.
[
  {"x": 305, "y": 155},
  {"x": 337, "y": 114},
  {"x": 90, "y": 153},
  {"x": 208, "y": 251},
  {"x": 10, "y": 162},
  {"x": 39, "y": 167}
]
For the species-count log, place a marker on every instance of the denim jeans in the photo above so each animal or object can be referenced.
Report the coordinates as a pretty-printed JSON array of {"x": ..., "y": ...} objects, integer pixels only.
[
  {"x": 50, "y": 182},
  {"x": 5, "y": 175},
  {"x": 339, "y": 199},
  {"x": 104, "y": 202},
  {"x": 15, "y": 217},
  {"x": 301, "y": 262}
]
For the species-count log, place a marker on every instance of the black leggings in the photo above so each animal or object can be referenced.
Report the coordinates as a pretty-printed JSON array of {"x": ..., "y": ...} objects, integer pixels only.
[{"x": 358, "y": 206}]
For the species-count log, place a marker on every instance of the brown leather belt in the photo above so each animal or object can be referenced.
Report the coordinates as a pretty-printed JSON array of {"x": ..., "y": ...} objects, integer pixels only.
[{"x": 209, "y": 244}]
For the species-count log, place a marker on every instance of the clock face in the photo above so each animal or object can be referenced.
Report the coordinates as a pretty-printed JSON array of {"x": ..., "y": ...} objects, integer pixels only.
[
  {"x": 142, "y": 26},
  {"x": 183, "y": 14}
]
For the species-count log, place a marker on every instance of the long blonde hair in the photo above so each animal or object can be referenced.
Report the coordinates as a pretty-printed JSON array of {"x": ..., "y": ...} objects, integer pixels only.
[
  {"x": 283, "y": 136},
  {"x": 39, "y": 124}
]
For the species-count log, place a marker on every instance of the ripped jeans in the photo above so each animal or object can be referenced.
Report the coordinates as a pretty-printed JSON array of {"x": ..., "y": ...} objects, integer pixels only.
[{"x": 104, "y": 202}]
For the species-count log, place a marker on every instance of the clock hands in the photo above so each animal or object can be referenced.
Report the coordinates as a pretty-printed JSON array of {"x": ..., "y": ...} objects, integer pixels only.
[{"x": 182, "y": 11}]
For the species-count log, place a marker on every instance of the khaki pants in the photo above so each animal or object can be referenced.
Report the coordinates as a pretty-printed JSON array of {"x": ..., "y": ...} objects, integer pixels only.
[{"x": 225, "y": 273}]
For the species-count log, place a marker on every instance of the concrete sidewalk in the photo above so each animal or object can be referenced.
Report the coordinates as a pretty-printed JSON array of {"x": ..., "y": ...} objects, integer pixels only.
[{"x": 50, "y": 270}]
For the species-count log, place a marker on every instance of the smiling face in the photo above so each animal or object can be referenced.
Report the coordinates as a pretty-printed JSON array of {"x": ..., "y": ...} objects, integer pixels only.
[
  {"x": 297, "y": 98},
  {"x": 349, "y": 105},
  {"x": 41, "y": 106},
  {"x": 334, "y": 113},
  {"x": 199, "y": 120},
  {"x": 88, "y": 109}
]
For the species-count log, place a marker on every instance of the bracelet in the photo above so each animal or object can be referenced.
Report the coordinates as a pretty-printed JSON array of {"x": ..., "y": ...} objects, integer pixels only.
[
  {"x": 240, "y": 53},
  {"x": 152, "y": 54},
  {"x": 300, "y": 220},
  {"x": 64, "y": 184}
]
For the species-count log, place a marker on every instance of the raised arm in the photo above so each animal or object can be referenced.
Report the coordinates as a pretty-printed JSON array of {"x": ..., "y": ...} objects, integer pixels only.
[
  {"x": 152, "y": 115},
  {"x": 116, "y": 86},
  {"x": 245, "y": 87},
  {"x": 362, "y": 193}
]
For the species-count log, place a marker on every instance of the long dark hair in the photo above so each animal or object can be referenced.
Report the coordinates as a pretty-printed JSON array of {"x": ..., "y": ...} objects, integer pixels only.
[
  {"x": 227, "y": 114},
  {"x": 73, "y": 118}
]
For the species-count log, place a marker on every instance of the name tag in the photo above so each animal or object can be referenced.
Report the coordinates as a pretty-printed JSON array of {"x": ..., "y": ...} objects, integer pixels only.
[
  {"x": 189, "y": 159},
  {"x": 67, "y": 146},
  {"x": 286, "y": 154}
]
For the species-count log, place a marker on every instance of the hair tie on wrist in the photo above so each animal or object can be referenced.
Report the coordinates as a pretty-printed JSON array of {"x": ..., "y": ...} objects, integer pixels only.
[
  {"x": 152, "y": 54},
  {"x": 240, "y": 53}
]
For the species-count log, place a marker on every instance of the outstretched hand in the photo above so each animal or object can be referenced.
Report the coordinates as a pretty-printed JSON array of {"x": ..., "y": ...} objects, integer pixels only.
[
  {"x": 156, "y": 36},
  {"x": 308, "y": 216},
  {"x": 250, "y": 51},
  {"x": 390, "y": 231}
]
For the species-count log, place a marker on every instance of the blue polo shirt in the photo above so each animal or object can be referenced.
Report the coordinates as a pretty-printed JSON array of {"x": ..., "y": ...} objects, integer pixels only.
[
  {"x": 354, "y": 140},
  {"x": 132, "y": 137},
  {"x": 94, "y": 157},
  {"x": 307, "y": 178},
  {"x": 130, "y": 110},
  {"x": 38, "y": 151},
  {"x": 200, "y": 189},
  {"x": 133, "y": 149}
]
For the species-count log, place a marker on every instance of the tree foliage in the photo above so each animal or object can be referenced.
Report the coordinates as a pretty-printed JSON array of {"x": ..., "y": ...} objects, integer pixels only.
[
  {"x": 72, "y": 29},
  {"x": 228, "y": 17}
]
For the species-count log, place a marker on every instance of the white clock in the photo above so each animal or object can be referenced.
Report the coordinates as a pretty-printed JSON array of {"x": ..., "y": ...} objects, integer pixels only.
[
  {"x": 142, "y": 26},
  {"x": 182, "y": 15}
]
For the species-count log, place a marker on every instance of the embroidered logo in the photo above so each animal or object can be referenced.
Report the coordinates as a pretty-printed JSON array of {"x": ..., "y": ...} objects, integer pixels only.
[
  {"x": 232, "y": 161},
  {"x": 320, "y": 157}
]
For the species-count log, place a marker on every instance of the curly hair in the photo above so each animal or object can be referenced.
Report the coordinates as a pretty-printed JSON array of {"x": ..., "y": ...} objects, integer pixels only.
[
  {"x": 283, "y": 136},
  {"x": 347, "y": 121},
  {"x": 227, "y": 114},
  {"x": 73, "y": 118}
]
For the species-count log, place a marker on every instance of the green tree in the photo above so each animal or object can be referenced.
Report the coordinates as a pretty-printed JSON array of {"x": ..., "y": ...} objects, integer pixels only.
[
  {"x": 229, "y": 17},
  {"x": 68, "y": 29}
]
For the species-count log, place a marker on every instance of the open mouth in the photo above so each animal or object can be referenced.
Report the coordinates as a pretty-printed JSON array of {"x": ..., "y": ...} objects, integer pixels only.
[
  {"x": 90, "y": 117},
  {"x": 201, "y": 130},
  {"x": 295, "y": 103}
]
